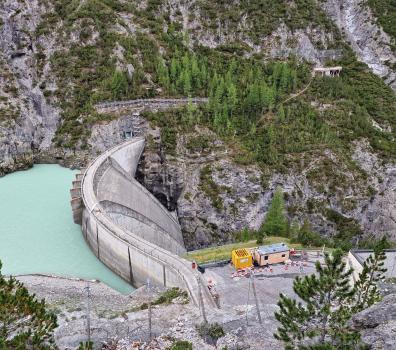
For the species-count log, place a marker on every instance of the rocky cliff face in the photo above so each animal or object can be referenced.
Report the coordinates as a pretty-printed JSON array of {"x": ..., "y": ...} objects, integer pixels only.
[
  {"x": 214, "y": 197},
  {"x": 370, "y": 43},
  {"x": 29, "y": 120},
  {"x": 377, "y": 324}
]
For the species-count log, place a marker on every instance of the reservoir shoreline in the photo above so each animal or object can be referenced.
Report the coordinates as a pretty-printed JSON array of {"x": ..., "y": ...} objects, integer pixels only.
[{"x": 37, "y": 233}]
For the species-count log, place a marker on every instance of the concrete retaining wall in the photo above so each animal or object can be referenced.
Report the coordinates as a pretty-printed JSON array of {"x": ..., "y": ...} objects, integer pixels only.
[
  {"x": 152, "y": 101},
  {"x": 355, "y": 265},
  {"x": 146, "y": 104}
]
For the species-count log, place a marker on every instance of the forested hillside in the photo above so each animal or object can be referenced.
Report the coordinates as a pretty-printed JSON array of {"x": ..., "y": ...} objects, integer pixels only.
[{"x": 249, "y": 58}]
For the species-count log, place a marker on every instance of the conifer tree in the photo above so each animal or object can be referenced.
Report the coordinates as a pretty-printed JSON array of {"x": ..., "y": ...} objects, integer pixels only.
[
  {"x": 285, "y": 78},
  {"x": 119, "y": 84},
  {"x": 191, "y": 110},
  {"x": 328, "y": 301},
  {"x": 24, "y": 321},
  {"x": 174, "y": 70},
  {"x": 186, "y": 62},
  {"x": 195, "y": 73},
  {"x": 203, "y": 74},
  {"x": 186, "y": 78},
  {"x": 163, "y": 74},
  {"x": 232, "y": 99},
  {"x": 280, "y": 114},
  {"x": 367, "y": 292},
  {"x": 321, "y": 319},
  {"x": 275, "y": 222}
]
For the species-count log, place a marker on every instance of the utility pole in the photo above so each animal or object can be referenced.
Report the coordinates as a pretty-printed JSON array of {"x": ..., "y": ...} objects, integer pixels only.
[
  {"x": 255, "y": 297},
  {"x": 88, "y": 290},
  {"x": 201, "y": 303},
  {"x": 149, "y": 309},
  {"x": 247, "y": 304}
]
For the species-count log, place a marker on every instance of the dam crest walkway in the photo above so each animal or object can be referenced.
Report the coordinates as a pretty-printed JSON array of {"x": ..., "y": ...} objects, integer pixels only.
[{"x": 127, "y": 228}]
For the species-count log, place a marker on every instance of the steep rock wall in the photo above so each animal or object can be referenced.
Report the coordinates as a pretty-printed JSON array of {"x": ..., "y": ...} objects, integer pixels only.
[
  {"x": 370, "y": 43},
  {"x": 214, "y": 197},
  {"x": 30, "y": 120}
]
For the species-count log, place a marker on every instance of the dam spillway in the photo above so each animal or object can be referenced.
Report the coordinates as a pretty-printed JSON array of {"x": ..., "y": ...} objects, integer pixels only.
[{"x": 126, "y": 227}]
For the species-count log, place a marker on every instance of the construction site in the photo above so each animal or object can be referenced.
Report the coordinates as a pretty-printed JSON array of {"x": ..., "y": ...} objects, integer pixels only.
[{"x": 252, "y": 286}]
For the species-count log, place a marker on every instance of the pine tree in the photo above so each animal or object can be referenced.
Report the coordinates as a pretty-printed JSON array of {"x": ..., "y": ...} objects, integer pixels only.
[
  {"x": 280, "y": 115},
  {"x": 119, "y": 85},
  {"x": 276, "y": 75},
  {"x": 367, "y": 292},
  {"x": 195, "y": 74},
  {"x": 186, "y": 62},
  {"x": 191, "y": 111},
  {"x": 321, "y": 321},
  {"x": 307, "y": 237},
  {"x": 203, "y": 74},
  {"x": 232, "y": 99},
  {"x": 275, "y": 222},
  {"x": 24, "y": 321},
  {"x": 163, "y": 74},
  {"x": 174, "y": 70},
  {"x": 329, "y": 301},
  {"x": 186, "y": 78},
  {"x": 285, "y": 78}
]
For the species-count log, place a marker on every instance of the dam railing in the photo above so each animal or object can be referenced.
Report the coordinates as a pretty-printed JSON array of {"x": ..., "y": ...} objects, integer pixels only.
[{"x": 95, "y": 221}]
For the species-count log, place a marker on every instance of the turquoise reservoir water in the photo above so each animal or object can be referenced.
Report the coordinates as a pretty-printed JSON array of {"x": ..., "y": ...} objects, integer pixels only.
[{"x": 37, "y": 232}]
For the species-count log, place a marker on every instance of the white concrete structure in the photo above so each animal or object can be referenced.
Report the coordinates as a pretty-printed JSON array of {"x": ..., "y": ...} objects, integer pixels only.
[
  {"x": 327, "y": 71},
  {"x": 126, "y": 226},
  {"x": 357, "y": 257}
]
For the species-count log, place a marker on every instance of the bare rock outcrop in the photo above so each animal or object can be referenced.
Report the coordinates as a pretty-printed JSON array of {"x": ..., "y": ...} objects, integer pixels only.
[
  {"x": 30, "y": 121},
  {"x": 368, "y": 40},
  {"x": 377, "y": 324}
]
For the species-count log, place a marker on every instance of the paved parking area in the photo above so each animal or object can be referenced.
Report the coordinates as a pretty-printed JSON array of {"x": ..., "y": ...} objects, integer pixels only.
[{"x": 237, "y": 292}]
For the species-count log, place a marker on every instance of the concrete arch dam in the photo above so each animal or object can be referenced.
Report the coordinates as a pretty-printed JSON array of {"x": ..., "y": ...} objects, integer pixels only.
[{"x": 127, "y": 227}]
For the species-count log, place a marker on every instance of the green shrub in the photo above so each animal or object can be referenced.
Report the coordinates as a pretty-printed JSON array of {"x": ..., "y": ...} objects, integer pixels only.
[
  {"x": 85, "y": 345},
  {"x": 385, "y": 13},
  {"x": 275, "y": 222},
  {"x": 181, "y": 345},
  {"x": 211, "y": 332},
  {"x": 167, "y": 297},
  {"x": 210, "y": 187}
]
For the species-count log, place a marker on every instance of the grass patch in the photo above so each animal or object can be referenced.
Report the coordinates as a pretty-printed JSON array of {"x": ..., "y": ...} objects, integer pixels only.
[
  {"x": 224, "y": 252},
  {"x": 167, "y": 297},
  {"x": 181, "y": 345}
]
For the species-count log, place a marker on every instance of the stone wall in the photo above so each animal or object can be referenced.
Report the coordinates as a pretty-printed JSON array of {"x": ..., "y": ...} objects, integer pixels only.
[{"x": 147, "y": 104}]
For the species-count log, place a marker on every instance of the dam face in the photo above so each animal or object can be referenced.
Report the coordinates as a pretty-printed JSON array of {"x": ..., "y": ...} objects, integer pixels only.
[{"x": 126, "y": 227}]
